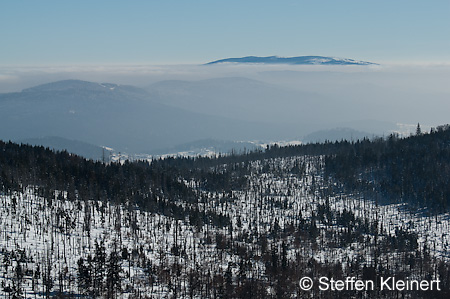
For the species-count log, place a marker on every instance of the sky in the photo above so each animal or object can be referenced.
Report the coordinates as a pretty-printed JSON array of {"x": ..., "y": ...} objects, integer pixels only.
[
  {"x": 54, "y": 33},
  {"x": 144, "y": 42}
]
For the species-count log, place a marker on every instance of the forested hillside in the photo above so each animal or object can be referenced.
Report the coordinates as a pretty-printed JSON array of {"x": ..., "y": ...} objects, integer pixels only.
[
  {"x": 414, "y": 170},
  {"x": 233, "y": 226}
]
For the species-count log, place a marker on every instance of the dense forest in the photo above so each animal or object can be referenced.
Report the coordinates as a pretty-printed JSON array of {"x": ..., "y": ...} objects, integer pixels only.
[{"x": 232, "y": 226}]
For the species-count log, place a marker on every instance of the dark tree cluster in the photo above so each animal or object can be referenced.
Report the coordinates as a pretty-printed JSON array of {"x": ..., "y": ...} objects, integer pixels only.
[{"x": 414, "y": 169}]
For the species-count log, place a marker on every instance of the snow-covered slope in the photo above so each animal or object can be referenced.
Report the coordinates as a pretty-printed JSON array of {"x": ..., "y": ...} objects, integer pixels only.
[{"x": 52, "y": 246}]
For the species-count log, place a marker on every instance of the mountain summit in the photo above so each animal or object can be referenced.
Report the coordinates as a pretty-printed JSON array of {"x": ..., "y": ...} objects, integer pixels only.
[{"x": 307, "y": 60}]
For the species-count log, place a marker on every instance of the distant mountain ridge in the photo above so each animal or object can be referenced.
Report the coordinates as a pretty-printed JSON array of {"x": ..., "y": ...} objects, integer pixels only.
[
  {"x": 122, "y": 117},
  {"x": 299, "y": 60}
]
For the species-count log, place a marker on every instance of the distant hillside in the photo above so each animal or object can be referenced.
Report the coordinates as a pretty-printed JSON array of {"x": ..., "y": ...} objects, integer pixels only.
[
  {"x": 80, "y": 148},
  {"x": 125, "y": 118},
  {"x": 312, "y": 60}
]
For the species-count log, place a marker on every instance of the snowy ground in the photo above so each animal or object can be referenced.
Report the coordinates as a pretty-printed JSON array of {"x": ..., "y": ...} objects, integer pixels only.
[{"x": 42, "y": 239}]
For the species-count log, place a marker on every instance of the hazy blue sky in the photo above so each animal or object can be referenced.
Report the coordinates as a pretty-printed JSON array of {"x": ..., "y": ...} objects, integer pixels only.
[{"x": 172, "y": 32}]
